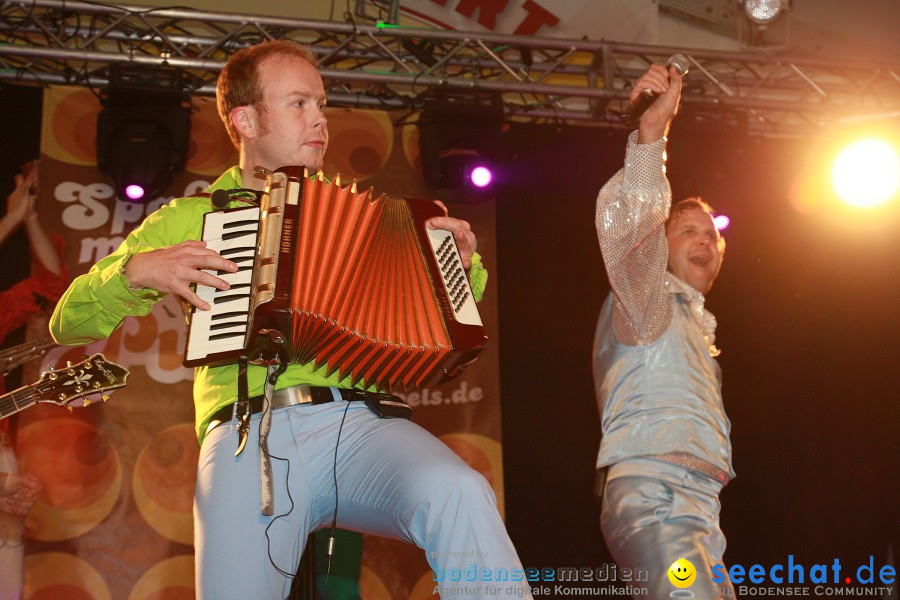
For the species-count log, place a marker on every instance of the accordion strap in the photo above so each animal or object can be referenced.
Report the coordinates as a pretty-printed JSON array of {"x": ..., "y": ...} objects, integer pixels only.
[
  {"x": 242, "y": 407},
  {"x": 266, "y": 491},
  {"x": 242, "y": 412},
  {"x": 276, "y": 364}
]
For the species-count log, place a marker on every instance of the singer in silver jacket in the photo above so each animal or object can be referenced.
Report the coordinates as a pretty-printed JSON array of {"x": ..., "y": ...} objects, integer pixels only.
[{"x": 665, "y": 453}]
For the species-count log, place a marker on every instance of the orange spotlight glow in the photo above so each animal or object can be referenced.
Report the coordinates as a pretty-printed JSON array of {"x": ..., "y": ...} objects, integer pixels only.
[{"x": 866, "y": 173}]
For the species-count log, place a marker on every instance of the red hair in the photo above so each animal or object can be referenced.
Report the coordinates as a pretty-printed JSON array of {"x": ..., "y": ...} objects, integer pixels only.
[{"x": 239, "y": 85}]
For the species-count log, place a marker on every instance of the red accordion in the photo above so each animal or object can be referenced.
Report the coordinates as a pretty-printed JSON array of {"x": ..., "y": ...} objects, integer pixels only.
[{"x": 351, "y": 283}]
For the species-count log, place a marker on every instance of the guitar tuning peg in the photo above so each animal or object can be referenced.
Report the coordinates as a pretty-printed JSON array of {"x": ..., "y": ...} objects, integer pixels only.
[
  {"x": 104, "y": 397},
  {"x": 87, "y": 402},
  {"x": 68, "y": 363},
  {"x": 69, "y": 408}
]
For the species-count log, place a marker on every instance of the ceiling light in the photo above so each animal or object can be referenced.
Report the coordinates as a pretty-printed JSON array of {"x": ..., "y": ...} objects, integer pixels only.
[{"x": 763, "y": 11}]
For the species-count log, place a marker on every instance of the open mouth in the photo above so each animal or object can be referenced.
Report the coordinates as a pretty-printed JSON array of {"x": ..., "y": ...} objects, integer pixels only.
[{"x": 701, "y": 261}]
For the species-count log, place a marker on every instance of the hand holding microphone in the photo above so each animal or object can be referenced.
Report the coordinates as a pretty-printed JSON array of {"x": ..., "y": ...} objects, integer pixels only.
[{"x": 655, "y": 98}]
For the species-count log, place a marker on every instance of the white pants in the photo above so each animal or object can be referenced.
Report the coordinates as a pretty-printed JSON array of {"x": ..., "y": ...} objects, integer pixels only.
[
  {"x": 655, "y": 513},
  {"x": 394, "y": 480}
]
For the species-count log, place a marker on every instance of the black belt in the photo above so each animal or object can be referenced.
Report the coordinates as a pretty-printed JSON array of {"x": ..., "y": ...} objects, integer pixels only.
[{"x": 300, "y": 394}]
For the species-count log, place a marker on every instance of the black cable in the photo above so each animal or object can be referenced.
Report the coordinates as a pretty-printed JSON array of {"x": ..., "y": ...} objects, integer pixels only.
[
  {"x": 287, "y": 486},
  {"x": 331, "y": 535}
]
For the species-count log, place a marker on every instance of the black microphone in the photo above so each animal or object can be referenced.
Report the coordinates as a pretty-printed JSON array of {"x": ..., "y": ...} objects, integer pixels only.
[
  {"x": 220, "y": 199},
  {"x": 681, "y": 64}
]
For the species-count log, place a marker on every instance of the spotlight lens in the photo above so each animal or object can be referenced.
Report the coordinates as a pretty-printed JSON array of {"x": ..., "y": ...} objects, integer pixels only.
[
  {"x": 763, "y": 11},
  {"x": 481, "y": 176},
  {"x": 721, "y": 222},
  {"x": 134, "y": 191},
  {"x": 866, "y": 173}
]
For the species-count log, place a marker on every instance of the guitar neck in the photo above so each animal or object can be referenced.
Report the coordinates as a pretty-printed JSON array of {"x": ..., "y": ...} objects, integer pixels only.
[
  {"x": 12, "y": 357},
  {"x": 93, "y": 376},
  {"x": 17, "y": 400}
]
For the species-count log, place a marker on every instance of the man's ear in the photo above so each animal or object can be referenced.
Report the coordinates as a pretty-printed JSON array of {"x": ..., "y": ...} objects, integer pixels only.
[{"x": 245, "y": 120}]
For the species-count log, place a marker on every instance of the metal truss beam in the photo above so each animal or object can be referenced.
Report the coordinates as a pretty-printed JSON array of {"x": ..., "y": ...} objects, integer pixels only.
[{"x": 383, "y": 66}]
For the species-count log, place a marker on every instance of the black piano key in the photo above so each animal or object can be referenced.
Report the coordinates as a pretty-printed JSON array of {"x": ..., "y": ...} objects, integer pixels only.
[
  {"x": 252, "y": 224},
  {"x": 239, "y": 269},
  {"x": 237, "y": 250},
  {"x": 229, "y": 298},
  {"x": 225, "y": 336},
  {"x": 229, "y": 315},
  {"x": 227, "y": 325},
  {"x": 236, "y": 234},
  {"x": 235, "y": 289}
]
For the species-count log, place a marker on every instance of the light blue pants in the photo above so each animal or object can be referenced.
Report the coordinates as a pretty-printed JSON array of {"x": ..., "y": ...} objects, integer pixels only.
[
  {"x": 655, "y": 513},
  {"x": 394, "y": 480}
]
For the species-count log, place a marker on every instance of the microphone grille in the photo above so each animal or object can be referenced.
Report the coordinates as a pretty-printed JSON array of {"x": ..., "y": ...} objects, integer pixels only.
[
  {"x": 680, "y": 62},
  {"x": 220, "y": 199}
]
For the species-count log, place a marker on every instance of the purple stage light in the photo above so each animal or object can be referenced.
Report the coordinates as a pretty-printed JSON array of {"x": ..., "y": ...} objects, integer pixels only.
[
  {"x": 134, "y": 191},
  {"x": 481, "y": 176},
  {"x": 721, "y": 222}
]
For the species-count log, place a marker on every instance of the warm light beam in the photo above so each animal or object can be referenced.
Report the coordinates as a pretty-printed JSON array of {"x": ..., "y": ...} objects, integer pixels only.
[{"x": 866, "y": 173}]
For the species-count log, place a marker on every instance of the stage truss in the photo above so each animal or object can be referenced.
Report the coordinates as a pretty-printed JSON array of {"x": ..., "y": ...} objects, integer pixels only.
[{"x": 372, "y": 65}]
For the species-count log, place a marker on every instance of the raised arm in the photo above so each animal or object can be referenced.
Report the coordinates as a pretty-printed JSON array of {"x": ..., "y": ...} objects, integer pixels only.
[
  {"x": 632, "y": 208},
  {"x": 42, "y": 247},
  {"x": 18, "y": 204}
]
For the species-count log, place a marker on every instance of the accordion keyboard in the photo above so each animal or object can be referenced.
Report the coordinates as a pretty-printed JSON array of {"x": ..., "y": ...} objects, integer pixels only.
[
  {"x": 224, "y": 328},
  {"x": 454, "y": 277}
]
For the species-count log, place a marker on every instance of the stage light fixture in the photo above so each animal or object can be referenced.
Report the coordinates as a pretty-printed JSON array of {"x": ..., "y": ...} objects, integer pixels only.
[
  {"x": 767, "y": 24},
  {"x": 460, "y": 144},
  {"x": 763, "y": 11},
  {"x": 143, "y": 132},
  {"x": 422, "y": 50}
]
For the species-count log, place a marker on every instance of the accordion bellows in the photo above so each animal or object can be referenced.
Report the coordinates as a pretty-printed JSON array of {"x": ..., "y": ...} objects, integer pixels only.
[{"x": 353, "y": 283}]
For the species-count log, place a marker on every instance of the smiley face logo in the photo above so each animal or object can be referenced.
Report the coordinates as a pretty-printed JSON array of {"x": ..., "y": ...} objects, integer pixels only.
[{"x": 682, "y": 573}]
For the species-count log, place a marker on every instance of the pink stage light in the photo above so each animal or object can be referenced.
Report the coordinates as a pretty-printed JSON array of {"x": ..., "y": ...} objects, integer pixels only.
[
  {"x": 134, "y": 191},
  {"x": 481, "y": 176},
  {"x": 721, "y": 222}
]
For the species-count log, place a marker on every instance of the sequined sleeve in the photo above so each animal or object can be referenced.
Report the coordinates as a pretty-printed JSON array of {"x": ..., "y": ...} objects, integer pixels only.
[{"x": 631, "y": 212}]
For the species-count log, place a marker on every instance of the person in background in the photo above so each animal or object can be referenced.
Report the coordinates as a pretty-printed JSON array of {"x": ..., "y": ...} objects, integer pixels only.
[{"x": 40, "y": 291}]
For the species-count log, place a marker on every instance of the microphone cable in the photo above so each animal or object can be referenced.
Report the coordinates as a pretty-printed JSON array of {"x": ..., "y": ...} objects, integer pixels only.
[{"x": 331, "y": 534}]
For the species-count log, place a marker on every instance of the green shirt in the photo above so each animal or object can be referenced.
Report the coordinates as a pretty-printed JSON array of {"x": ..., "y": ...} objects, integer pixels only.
[{"x": 97, "y": 302}]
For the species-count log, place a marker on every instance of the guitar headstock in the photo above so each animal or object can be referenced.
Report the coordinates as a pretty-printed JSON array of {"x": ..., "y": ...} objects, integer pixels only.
[{"x": 93, "y": 375}]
